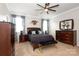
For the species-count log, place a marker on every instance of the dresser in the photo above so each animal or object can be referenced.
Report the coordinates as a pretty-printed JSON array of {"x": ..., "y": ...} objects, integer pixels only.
[
  {"x": 7, "y": 39},
  {"x": 66, "y": 36}
]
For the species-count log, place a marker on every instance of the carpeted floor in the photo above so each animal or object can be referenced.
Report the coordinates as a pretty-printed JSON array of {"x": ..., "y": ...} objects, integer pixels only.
[{"x": 61, "y": 49}]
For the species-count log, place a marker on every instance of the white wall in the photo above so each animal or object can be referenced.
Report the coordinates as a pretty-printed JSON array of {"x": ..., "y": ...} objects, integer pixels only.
[
  {"x": 28, "y": 23},
  {"x": 71, "y": 14},
  {"x": 4, "y": 13}
]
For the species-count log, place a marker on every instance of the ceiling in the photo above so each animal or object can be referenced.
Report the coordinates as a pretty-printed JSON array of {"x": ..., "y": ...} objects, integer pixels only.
[{"x": 30, "y": 8}]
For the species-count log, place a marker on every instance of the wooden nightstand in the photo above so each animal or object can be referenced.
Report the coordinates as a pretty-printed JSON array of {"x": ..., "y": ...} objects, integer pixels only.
[{"x": 23, "y": 38}]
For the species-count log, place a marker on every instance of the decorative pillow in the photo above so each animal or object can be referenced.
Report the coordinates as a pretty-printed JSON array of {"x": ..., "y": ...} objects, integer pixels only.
[
  {"x": 40, "y": 32},
  {"x": 33, "y": 32}
]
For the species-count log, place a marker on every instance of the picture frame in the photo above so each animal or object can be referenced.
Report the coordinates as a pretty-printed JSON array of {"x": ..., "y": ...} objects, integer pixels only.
[{"x": 66, "y": 24}]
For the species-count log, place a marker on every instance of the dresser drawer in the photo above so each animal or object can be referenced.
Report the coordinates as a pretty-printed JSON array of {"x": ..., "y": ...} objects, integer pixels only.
[
  {"x": 68, "y": 42},
  {"x": 68, "y": 36},
  {"x": 68, "y": 39}
]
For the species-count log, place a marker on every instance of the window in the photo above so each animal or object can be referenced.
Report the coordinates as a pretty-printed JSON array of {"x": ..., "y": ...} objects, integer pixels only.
[
  {"x": 45, "y": 26},
  {"x": 19, "y": 25},
  {"x": 19, "y": 22}
]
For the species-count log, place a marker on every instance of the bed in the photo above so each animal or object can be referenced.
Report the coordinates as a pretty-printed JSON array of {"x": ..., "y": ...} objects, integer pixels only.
[{"x": 39, "y": 39}]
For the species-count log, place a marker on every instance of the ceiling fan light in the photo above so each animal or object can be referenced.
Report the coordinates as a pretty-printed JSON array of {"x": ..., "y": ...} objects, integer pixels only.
[{"x": 46, "y": 10}]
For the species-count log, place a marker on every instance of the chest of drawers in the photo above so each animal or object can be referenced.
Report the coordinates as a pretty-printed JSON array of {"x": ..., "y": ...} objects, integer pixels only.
[{"x": 68, "y": 37}]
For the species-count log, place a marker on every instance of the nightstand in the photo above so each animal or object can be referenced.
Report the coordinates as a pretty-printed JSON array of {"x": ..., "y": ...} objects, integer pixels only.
[{"x": 23, "y": 38}]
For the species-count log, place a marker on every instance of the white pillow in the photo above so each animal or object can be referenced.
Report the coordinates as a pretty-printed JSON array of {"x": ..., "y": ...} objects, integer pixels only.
[
  {"x": 33, "y": 32},
  {"x": 40, "y": 32}
]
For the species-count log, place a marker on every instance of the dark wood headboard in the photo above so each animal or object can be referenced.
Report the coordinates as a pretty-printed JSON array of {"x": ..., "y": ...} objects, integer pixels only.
[{"x": 32, "y": 29}]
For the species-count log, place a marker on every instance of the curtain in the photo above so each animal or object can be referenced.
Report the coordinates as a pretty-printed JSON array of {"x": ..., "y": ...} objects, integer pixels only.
[{"x": 23, "y": 23}]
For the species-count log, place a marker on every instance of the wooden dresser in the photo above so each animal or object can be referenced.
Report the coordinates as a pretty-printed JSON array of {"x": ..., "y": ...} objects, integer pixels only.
[
  {"x": 66, "y": 36},
  {"x": 7, "y": 39}
]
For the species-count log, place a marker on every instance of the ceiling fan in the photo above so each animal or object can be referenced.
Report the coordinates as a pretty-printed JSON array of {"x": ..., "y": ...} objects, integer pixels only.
[{"x": 47, "y": 7}]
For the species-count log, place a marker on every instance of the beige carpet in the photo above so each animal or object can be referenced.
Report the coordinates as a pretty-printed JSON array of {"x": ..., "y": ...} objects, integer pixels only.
[{"x": 61, "y": 49}]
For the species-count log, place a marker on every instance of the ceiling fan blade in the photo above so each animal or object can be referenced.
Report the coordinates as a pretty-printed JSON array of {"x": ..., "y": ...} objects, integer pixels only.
[
  {"x": 51, "y": 10},
  {"x": 54, "y": 6},
  {"x": 38, "y": 9},
  {"x": 40, "y": 5}
]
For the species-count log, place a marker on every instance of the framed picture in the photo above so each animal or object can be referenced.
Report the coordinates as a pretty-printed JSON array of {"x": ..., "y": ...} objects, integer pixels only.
[{"x": 66, "y": 24}]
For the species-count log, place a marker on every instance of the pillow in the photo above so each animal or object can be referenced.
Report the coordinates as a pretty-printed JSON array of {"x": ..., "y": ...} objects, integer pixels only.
[
  {"x": 40, "y": 32},
  {"x": 33, "y": 32}
]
